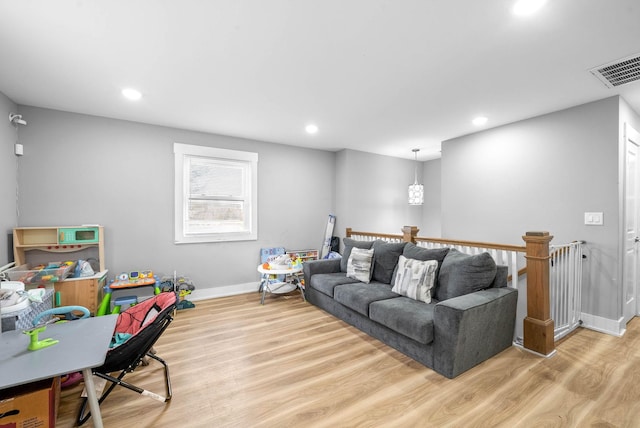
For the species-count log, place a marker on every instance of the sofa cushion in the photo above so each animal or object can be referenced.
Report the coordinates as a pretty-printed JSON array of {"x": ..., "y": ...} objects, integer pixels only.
[
  {"x": 358, "y": 296},
  {"x": 359, "y": 264},
  {"x": 412, "y": 251},
  {"x": 326, "y": 282},
  {"x": 348, "y": 245},
  {"x": 415, "y": 278},
  {"x": 406, "y": 316},
  {"x": 462, "y": 274},
  {"x": 385, "y": 259}
]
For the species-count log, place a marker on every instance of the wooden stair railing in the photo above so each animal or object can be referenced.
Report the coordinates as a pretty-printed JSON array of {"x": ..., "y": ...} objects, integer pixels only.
[
  {"x": 503, "y": 253},
  {"x": 372, "y": 236}
]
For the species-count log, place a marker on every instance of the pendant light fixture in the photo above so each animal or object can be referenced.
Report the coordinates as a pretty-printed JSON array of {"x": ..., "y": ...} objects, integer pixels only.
[{"x": 416, "y": 191}]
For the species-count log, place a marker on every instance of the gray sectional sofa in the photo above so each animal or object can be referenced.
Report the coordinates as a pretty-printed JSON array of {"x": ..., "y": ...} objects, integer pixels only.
[{"x": 470, "y": 318}]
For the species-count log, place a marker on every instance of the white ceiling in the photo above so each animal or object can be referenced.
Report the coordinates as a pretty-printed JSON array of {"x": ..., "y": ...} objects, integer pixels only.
[{"x": 382, "y": 76}]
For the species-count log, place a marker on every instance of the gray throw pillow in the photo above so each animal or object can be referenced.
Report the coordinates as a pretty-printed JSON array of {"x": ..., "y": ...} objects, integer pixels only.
[
  {"x": 415, "y": 278},
  {"x": 359, "y": 264},
  {"x": 462, "y": 274},
  {"x": 348, "y": 245},
  {"x": 412, "y": 251},
  {"x": 385, "y": 259}
]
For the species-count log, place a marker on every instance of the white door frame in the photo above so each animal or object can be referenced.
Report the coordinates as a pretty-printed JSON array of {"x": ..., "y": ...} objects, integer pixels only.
[{"x": 631, "y": 225}]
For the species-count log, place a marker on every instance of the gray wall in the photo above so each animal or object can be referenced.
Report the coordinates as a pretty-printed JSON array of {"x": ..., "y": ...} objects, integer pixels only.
[
  {"x": 432, "y": 209},
  {"x": 82, "y": 169},
  {"x": 538, "y": 174},
  {"x": 372, "y": 193},
  {"x": 542, "y": 174},
  {"x": 8, "y": 165}
]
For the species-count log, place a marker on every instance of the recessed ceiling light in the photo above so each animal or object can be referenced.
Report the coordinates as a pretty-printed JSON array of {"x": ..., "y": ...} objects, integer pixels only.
[
  {"x": 527, "y": 7},
  {"x": 311, "y": 129},
  {"x": 479, "y": 121},
  {"x": 131, "y": 94}
]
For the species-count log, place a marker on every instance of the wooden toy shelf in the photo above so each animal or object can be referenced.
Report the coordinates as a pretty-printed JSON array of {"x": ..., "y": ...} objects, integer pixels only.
[
  {"x": 36, "y": 245},
  {"x": 26, "y": 240}
]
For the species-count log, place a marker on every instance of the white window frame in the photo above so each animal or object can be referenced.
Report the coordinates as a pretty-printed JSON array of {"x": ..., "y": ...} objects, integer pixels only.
[{"x": 181, "y": 154}]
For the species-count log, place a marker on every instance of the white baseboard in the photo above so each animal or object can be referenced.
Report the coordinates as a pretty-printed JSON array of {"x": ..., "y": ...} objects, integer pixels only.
[
  {"x": 519, "y": 345},
  {"x": 603, "y": 325},
  {"x": 228, "y": 290}
]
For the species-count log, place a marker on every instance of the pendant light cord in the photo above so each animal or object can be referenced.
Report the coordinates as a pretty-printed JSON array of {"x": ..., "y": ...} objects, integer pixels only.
[{"x": 415, "y": 170}]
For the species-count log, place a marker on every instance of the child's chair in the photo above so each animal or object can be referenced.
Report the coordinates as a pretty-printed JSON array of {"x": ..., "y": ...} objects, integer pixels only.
[{"x": 137, "y": 329}]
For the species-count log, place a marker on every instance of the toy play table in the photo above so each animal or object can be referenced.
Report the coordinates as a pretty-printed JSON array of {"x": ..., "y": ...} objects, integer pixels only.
[
  {"x": 120, "y": 285},
  {"x": 289, "y": 284}
]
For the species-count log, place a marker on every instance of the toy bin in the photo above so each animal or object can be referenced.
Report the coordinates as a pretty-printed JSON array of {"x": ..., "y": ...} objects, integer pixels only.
[
  {"x": 22, "y": 319},
  {"x": 41, "y": 274}
]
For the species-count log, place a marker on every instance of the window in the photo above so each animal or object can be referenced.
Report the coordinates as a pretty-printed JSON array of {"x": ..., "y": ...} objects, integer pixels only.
[{"x": 215, "y": 194}]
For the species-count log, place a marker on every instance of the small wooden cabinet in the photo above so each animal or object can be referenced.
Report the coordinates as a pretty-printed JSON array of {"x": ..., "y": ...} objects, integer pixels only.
[
  {"x": 35, "y": 245},
  {"x": 81, "y": 291}
]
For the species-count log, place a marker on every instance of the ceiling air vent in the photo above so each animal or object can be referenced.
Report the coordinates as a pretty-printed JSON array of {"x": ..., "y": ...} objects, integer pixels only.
[{"x": 619, "y": 72}]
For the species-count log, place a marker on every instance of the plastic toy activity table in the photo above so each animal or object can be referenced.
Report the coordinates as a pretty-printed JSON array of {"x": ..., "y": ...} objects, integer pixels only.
[
  {"x": 105, "y": 304},
  {"x": 281, "y": 287}
]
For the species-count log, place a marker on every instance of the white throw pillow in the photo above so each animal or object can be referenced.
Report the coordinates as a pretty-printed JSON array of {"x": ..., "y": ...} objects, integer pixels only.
[
  {"x": 415, "y": 278},
  {"x": 359, "y": 264}
]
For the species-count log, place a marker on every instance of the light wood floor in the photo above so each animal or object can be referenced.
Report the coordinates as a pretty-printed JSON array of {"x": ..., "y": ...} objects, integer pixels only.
[{"x": 235, "y": 363}]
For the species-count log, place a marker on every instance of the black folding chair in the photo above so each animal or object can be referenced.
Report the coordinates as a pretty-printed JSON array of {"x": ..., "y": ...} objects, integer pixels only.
[{"x": 139, "y": 327}]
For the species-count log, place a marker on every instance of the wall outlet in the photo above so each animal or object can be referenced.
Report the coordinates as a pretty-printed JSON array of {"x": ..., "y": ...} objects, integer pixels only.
[{"x": 594, "y": 219}]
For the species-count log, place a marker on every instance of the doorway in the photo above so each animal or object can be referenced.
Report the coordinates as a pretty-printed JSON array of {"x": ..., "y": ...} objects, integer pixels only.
[{"x": 631, "y": 216}]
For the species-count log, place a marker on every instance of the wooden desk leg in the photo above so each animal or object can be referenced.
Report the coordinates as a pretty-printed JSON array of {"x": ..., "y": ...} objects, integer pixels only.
[{"x": 94, "y": 406}]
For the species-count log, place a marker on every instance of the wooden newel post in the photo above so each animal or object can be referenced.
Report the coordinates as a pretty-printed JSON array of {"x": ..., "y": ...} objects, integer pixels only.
[
  {"x": 409, "y": 233},
  {"x": 538, "y": 325}
]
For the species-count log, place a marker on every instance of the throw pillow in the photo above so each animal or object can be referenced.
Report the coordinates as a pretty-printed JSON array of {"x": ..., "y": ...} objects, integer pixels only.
[
  {"x": 415, "y": 278},
  {"x": 348, "y": 245},
  {"x": 359, "y": 264},
  {"x": 385, "y": 259},
  {"x": 412, "y": 251},
  {"x": 462, "y": 274}
]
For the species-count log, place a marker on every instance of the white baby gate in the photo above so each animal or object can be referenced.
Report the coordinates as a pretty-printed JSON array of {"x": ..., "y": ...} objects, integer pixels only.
[{"x": 565, "y": 287}]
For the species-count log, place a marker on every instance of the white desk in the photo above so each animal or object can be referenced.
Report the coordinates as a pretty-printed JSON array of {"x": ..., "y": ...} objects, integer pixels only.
[{"x": 83, "y": 345}]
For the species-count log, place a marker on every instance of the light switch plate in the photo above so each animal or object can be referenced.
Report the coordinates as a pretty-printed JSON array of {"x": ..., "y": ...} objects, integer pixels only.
[{"x": 594, "y": 219}]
